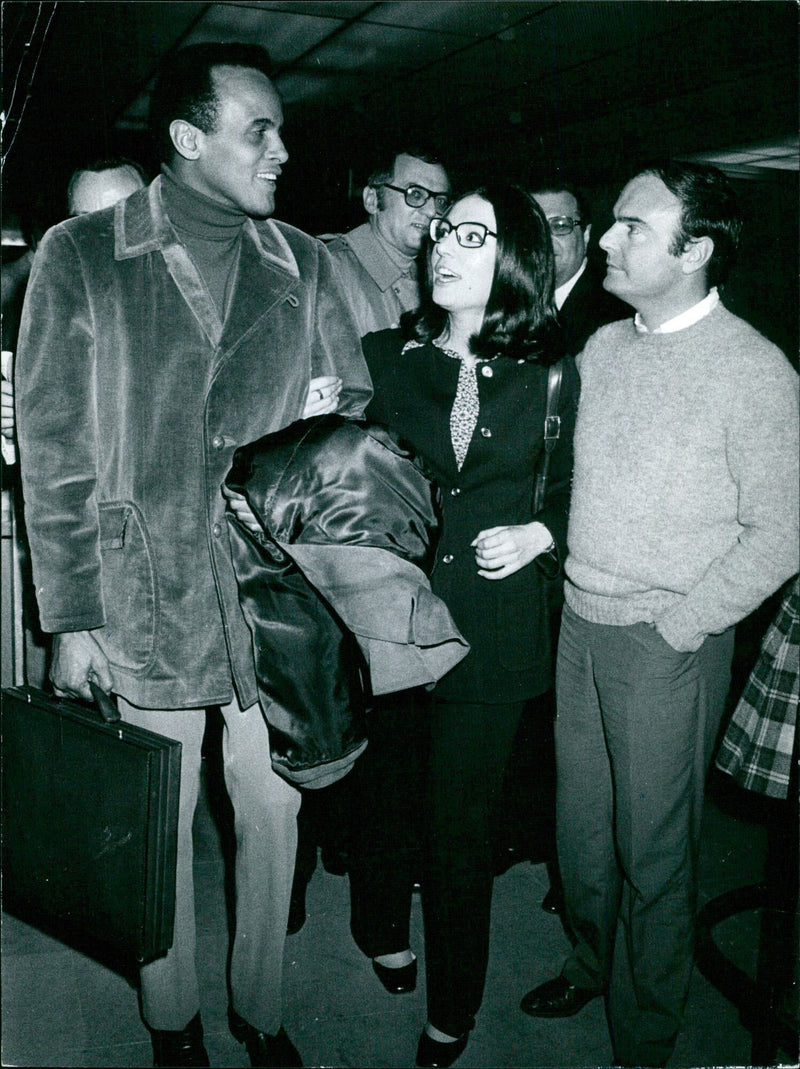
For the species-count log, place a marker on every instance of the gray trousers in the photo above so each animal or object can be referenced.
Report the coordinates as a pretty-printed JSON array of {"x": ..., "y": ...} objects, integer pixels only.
[
  {"x": 635, "y": 730},
  {"x": 265, "y": 808}
]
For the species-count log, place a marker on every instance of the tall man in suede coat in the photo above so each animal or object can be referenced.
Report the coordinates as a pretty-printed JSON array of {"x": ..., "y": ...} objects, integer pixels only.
[{"x": 158, "y": 336}]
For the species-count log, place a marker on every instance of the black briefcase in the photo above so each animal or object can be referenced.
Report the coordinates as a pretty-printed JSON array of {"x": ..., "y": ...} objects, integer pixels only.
[{"x": 90, "y": 817}]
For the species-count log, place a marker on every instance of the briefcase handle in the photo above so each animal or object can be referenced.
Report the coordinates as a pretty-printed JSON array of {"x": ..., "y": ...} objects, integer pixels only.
[{"x": 105, "y": 703}]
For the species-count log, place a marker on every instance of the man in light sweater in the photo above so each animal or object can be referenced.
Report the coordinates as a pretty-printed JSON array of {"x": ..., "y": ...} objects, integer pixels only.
[{"x": 684, "y": 519}]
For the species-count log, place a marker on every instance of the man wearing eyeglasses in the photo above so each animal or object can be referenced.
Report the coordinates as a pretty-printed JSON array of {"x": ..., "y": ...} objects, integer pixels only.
[
  {"x": 377, "y": 260},
  {"x": 583, "y": 305}
]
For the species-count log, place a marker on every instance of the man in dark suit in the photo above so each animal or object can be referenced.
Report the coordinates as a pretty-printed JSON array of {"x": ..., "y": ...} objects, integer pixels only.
[{"x": 583, "y": 305}]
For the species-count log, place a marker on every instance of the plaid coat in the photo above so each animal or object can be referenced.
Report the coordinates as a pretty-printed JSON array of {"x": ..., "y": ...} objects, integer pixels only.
[{"x": 757, "y": 746}]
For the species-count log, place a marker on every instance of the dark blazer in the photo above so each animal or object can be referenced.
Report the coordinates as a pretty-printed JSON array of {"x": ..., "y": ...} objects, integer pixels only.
[
  {"x": 589, "y": 307},
  {"x": 132, "y": 397},
  {"x": 505, "y": 621}
]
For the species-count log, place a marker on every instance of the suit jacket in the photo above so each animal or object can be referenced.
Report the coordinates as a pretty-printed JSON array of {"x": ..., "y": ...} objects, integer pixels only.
[
  {"x": 132, "y": 398},
  {"x": 506, "y": 622},
  {"x": 589, "y": 307}
]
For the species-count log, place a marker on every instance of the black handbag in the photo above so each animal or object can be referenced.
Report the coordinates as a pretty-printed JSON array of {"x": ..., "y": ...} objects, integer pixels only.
[{"x": 90, "y": 817}]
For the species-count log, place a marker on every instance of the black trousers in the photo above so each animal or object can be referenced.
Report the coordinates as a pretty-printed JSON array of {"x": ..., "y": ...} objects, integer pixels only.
[
  {"x": 469, "y": 750},
  {"x": 385, "y": 792}
]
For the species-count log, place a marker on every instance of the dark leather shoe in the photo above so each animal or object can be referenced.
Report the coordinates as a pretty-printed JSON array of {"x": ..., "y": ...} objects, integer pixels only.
[
  {"x": 183, "y": 1047},
  {"x": 556, "y": 998},
  {"x": 430, "y": 1052},
  {"x": 553, "y": 901},
  {"x": 397, "y": 981},
  {"x": 275, "y": 1052}
]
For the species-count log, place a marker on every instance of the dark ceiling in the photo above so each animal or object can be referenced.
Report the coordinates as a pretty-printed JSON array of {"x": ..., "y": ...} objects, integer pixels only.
[{"x": 589, "y": 88}]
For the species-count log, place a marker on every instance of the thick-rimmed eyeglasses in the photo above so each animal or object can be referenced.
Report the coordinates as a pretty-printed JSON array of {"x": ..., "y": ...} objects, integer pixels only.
[
  {"x": 416, "y": 196},
  {"x": 561, "y": 225},
  {"x": 468, "y": 235}
]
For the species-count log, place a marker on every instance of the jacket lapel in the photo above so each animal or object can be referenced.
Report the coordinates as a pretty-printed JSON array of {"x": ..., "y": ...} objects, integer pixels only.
[
  {"x": 141, "y": 226},
  {"x": 268, "y": 275}
]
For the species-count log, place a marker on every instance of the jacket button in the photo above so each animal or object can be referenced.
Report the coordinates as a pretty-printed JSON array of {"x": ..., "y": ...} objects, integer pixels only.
[
  {"x": 218, "y": 441},
  {"x": 447, "y": 558},
  {"x": 486, "y": 432},
  {"x": 216, "y": 530},
  {"x": 486, "y": 371},
  {"x": 455, "y": 491}
]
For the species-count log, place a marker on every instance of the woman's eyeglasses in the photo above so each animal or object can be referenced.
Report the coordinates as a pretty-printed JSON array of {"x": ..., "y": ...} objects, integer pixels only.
[
  {"x": 468, "y": 235},
  {"x": 416, "y": 196}
]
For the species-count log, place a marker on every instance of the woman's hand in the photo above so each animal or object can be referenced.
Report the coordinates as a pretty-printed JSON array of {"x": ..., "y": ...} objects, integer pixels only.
[
  {"x": 238, "y": 505},
  {"x": 501, "y": 551},
  {"x": 323, "y": 396}
]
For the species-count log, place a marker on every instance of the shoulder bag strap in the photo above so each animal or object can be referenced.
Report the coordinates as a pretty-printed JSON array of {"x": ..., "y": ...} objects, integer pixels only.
[{"x": 552, "y": 430}]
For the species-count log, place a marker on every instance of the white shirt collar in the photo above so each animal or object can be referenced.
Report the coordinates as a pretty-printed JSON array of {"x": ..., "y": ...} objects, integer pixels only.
[
  {"x": 563, "y": 291},
  {"x": 685, "y": 319}
]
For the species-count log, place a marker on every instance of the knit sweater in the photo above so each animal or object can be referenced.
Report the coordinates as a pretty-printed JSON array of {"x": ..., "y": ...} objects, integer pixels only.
[{"x": 685, "y": 495}]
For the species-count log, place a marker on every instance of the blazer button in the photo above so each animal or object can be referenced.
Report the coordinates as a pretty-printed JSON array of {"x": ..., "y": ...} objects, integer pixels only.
[
  {"x": 218, "y": 441},
  {"x": 486, "y": 371},
  {"x": 447, "y": 558},
  {"x": 486, "y": 432},
  {"x": 455, "y": 491},
  {"x": 216, "y": 530}
]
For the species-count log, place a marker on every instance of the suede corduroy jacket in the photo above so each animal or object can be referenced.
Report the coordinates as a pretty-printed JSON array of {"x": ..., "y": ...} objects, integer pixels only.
[{"x": 132, "y": 397}]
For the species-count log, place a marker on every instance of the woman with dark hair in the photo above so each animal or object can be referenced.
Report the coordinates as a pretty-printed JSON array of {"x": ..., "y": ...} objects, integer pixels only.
[{"x": 465, "y": 382}]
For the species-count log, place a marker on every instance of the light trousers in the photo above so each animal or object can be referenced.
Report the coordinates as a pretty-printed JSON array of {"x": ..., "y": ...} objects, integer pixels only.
[
  {"x": 635, "y": 730},
  {"x": 265, "y": 811}
]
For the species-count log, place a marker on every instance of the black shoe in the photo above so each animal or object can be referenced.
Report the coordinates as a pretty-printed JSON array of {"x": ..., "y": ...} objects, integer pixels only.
[
  {"x": 275, "y": 1052},
  {"x": 297, "y": 912},
  {"x": 556, "y": 998},
  {"x": 399, "y": 980},
  {"x": 430, "y": 1052},
  {"x": 183, "y": 1047},
  {"x": 553, "y": 901}
]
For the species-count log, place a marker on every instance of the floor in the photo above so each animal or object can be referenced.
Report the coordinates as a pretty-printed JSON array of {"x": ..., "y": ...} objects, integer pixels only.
[{"x": 61, "y": 1008}]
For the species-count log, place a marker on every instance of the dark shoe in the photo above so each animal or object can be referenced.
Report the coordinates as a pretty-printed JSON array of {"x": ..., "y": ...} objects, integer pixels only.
[
  {"x": 275, "y": 1052},
  {"x": 180, "y": 1048},
  {"x": 430, "y": 1052},
  {"x": 553, "y": 901},
  {"x": 397, "y": 981},
  {"x": 556, "y": 998},
  {"x": 297, "y": 912}
]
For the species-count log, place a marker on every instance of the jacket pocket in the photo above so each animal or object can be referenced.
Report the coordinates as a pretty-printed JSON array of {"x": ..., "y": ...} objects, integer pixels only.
[{"x": 129, "y": 596}]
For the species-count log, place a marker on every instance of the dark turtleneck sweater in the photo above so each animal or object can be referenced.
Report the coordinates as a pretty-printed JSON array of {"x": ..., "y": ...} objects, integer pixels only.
[{"x": 211, "y": 233}]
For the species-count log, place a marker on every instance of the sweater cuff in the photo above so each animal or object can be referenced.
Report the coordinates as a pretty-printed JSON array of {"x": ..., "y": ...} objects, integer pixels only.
[{"x": 679, "y": 627}]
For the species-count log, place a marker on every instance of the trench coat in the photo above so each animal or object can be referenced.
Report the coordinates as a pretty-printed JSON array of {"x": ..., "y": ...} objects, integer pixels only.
[{"x": 132, "y": 397}]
